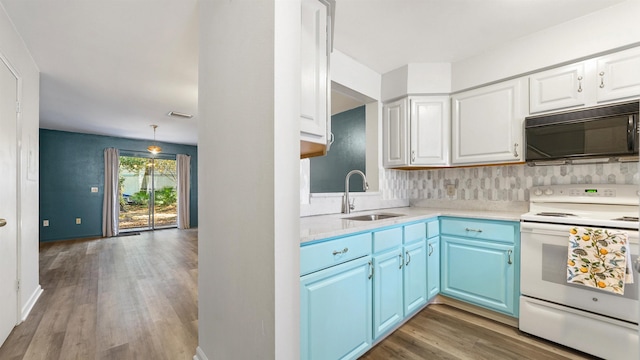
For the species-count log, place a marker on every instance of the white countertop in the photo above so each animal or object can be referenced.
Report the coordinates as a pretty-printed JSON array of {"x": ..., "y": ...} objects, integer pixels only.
[{"x": 324, "y": 226}]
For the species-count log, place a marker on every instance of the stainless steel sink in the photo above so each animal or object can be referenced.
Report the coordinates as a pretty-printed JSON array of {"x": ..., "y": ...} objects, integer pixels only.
[{"x": 372, "y": 217}]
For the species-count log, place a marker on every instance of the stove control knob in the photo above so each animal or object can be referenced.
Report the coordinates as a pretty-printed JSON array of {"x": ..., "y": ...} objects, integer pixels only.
[
  {"x": 537, "y": 192},
  {"x": 548, "y": 192}
]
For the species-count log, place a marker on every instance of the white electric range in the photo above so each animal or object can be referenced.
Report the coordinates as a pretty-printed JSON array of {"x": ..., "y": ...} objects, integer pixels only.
[{"x": 588, "y": 319}]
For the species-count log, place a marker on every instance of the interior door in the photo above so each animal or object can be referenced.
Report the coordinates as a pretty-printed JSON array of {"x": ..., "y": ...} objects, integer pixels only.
[{"x": 8, "y": 202}]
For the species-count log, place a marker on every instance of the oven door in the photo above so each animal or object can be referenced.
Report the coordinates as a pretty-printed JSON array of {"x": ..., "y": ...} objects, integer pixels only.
[{"x": 543, "y": 274}]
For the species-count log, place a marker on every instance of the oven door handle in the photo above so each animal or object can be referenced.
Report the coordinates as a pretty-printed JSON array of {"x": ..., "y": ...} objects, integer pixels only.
[{"x": 542, "y": 228}]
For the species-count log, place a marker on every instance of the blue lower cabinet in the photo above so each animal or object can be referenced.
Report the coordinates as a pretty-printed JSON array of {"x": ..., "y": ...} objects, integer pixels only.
[
  {"x": 336, "y": 314},
  {"x": 433, "y": 267},
  {"x": 415, "y": 276},
  {"x": 387, "y": 291},
  {"x": 479, "y": 272},
  {"x": 356, "y": 289}
]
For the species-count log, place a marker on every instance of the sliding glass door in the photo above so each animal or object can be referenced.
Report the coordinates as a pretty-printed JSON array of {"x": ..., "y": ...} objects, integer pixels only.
[{"x": 148, "y": 197}]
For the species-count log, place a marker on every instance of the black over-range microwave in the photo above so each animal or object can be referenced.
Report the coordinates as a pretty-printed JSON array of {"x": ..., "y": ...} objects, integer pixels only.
[{"x": 603, "y": 133}]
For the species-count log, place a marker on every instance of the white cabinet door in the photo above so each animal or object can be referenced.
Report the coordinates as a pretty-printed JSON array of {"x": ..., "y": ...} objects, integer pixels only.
[
  {"x": 618, "y": 75},
  {"x": 487, "y": 123},
  {"x": 430, "y": 130},
  {"x": 557, "y": 88},
  {"x": 394, "y": 134},
  {"x": 314, "y": 61}
]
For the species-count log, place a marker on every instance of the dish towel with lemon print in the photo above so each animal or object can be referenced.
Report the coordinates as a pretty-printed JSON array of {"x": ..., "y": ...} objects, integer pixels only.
[{"x": 599, "y": 258}]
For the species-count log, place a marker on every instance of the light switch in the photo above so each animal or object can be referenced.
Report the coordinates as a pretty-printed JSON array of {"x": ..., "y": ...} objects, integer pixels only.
[
  {"x": 94, "y": 189},
  {"x": 78, "y": 221},
  {"x": 45, "y": 222}
]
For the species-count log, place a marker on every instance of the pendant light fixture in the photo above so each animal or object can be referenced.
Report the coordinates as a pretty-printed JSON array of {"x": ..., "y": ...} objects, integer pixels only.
[{"x": 154, "y": 149}]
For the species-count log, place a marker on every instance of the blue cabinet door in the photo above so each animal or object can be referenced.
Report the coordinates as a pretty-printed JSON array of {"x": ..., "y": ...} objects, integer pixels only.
[
  {"x": 415, "y": 276},
  {"x": 479, "y": 272},
  {"x": 335, "y": 319},
  {"x": 433, "y": 267},
  {"x": 387, "y": 291}
]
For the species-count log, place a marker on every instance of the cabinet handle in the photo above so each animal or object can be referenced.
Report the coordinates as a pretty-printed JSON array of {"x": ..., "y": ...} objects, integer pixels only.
[
  {"x": 413, "y": 155},
  {"x": 401, "y": 261},
  {"x": 601, "y": 79},
  {"x": 408, "y": 258},
  {"x": 515, "y": 150},
  {"x": 344, "y": 251},
  {"x": 430, "y": 249},
  {"x": 3, "y": 222},
  {"x": 509, "y": 255},
  {"x": 474, "y": 230},
  {"x": 370, "y": 269},
  {"x": 579, "y": 83}
]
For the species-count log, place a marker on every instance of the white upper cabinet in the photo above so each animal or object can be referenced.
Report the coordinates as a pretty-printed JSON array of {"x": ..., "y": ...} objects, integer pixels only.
[
  {"x": 591, "y": 82},
  {"x": 416, "y": 132},
  {"x": 487, "y": 124},
  {"x": 618, "y": 75},
  {"x": 315, "y": 47},
  {"x": 557, "y": 88},
  {"x": 394, "y": 134},
  {"x": 429, "y": 130}
]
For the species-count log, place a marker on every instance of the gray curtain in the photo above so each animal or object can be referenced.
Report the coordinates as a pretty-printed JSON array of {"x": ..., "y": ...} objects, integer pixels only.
[
  {"x": 111, "y": 203},
  {"x": 183, "y": 165}
]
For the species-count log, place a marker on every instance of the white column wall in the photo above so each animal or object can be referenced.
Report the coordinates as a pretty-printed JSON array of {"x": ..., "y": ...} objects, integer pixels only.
[{"x": 248, "y": 158}]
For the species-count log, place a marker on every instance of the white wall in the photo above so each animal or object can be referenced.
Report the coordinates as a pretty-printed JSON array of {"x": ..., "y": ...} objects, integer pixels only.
[
  {"x": 14, "y": 50},
  {"x": 416, "y": 79},
  {"x": 604, "y": 30},
  {"x": 248, "y": 167},
  {"x": 348, "y": 72}
]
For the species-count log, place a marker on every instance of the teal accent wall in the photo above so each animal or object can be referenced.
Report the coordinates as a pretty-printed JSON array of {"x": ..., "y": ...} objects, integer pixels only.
[
  {"x": 72, "y": 163},
  {"x": 348, "y": 152}
]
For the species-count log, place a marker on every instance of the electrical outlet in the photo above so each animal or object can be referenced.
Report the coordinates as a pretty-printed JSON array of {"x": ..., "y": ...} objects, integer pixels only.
[
  {"x": 45, "y": 222},
  {"x": 94, "y": 189},
  {"x": 78, "y": 221},
  {"x": 451, "y": 190}
]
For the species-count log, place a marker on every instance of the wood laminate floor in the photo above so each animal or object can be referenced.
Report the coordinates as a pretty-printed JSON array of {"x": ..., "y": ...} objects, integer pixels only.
[
  {"x": 135, "y": 297},
  {"x": 445, "y": 332},
  {"x": 130, "y": 297}
]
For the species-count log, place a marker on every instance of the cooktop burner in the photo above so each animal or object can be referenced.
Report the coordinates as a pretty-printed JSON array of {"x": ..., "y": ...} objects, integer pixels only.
[
  {"x": 558, "y": 214},
  {"x": 627, "y": 218}
]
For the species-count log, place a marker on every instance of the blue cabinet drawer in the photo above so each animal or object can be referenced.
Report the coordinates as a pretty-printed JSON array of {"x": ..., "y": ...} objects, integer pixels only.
[
  {"x": 501, "y": 231},
  {"x": 433, "y": 229},
  {"x": 414, "y": 232},
  {"x": 323, "y": 255},
  {"x": 387, "y": 239}
]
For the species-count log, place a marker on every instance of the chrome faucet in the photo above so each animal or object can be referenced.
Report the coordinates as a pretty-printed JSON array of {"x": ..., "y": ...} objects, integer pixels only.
[{"x": 346, "y": 205}]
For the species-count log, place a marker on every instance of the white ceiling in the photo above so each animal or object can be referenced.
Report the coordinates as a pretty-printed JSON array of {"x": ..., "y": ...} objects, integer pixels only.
[
  {"x": 114, "y": 67},
  {"x": 387, "y": 34}
]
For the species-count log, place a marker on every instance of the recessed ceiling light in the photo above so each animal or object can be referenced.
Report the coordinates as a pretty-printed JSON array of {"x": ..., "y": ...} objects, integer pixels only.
[{"x": 179, "y": 114}]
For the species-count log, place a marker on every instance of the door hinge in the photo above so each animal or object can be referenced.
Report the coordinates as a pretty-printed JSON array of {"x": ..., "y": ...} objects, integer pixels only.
[
  {"x": 18, "y": 285},
  {"x": 17, "y": 107}
]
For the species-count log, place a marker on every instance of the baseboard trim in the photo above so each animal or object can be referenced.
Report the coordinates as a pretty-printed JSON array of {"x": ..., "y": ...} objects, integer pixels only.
[
  {"x": 200, "y": 354},
  {"x": 489, "y": 314},
  {"x": 26, "y": 309}
]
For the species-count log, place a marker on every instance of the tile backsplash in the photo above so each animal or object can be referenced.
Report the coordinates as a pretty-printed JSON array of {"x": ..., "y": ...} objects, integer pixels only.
[
  {"x": 503, "y": 187},
  {"x": 512, "y": 182}
]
